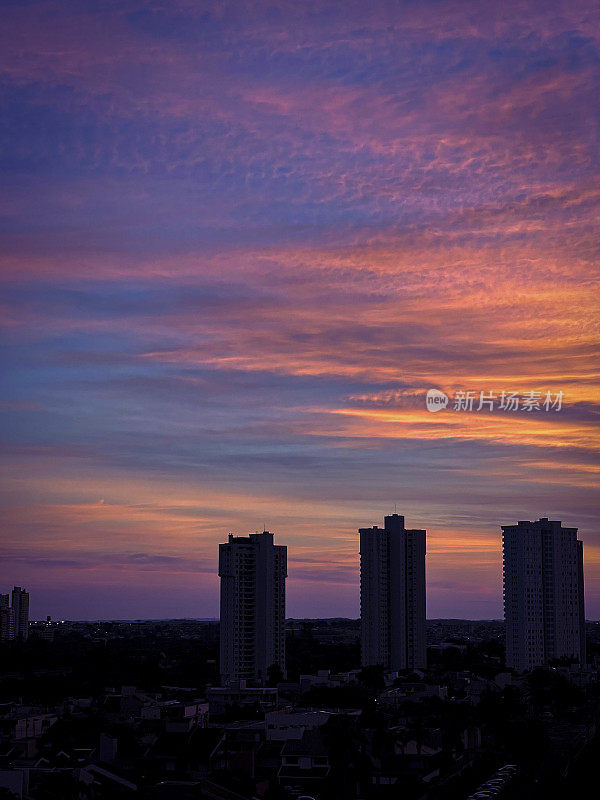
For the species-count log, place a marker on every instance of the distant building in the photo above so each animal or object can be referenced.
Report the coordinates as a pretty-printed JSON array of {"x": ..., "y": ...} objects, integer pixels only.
[
  {"x": 543, "y": 594},
  {"x": 20, "y": 609},
  {"x": 392, "y": 595},
  {"x": 14, "y": 619},
  {"x": 43, "y": 630},
  {"x": 7, "y": 622},
  {"x": 252, "y": 636}
]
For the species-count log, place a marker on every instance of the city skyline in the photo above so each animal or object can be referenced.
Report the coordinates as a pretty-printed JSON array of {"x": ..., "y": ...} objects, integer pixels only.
[
  {"x": 391, "y": 574},
  {"x": 241, "y": 242}
]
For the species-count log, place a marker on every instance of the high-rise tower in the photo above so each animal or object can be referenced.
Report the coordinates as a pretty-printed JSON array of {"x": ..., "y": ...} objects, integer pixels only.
[
  {"x": 392, "y": 595},
  {"x": 253, "y": 572},
  {"x": 20, "y": 609},
  {"x": 7, "y": 621},
  {"x": 543, "y": 594}
]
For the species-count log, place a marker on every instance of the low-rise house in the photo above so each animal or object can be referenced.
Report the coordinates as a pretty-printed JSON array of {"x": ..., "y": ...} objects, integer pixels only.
[
  {"x": 238, "y": 748},
  {"x": 304, "y": 762},
  {"x": 224, "y": 699},
  {"x": 176, "y": 716},
  {"x": 25, "y": 723},
  {"x": 478, "y": 688},
  {"x": 328, "y": 679},
  {"x": 287, "y": 725},
  {"x": 407, "y": 692}
]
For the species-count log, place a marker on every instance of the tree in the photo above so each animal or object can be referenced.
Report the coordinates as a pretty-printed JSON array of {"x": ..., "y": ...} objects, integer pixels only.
[
  {"x": 372, "y": 676},
  {"x": 274, "y": 675}
]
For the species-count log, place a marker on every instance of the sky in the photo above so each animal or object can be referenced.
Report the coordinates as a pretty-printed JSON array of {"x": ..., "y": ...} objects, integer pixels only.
[{"x": 240, "y": 241}]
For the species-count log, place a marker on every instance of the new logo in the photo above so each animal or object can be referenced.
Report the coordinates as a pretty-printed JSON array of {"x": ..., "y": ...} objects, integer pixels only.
[{"x": 436, "y": 400}]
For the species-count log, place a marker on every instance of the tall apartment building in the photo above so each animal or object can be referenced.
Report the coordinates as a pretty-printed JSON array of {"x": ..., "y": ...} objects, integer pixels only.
[
  {"x": 392, "y": 595},
  {"x": 20, "y": 609},
  {"x": 7, "y": 624},
  {"x": 14, "y": 619},
  {"x": 253, "y": 572},
  {"x": 543, "y": 594}
]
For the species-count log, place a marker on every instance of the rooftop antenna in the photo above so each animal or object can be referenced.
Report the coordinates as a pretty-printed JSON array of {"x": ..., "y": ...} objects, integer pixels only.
[{"x": 394, "y": 508}]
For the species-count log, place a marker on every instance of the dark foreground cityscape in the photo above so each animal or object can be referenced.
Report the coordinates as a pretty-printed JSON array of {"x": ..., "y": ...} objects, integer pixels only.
[{"x": 260, "y": 706}]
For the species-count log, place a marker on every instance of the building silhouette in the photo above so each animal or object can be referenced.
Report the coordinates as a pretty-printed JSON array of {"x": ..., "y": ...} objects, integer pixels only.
[
  {"x": 20, "y": 609},
  {"x": 253, "y": 572},
  {"x": 7, "y": 622},
  {"x": 14, "y": 618},
  {"x": 543, "y": 594},
  {"x": 392, "y": 595}
]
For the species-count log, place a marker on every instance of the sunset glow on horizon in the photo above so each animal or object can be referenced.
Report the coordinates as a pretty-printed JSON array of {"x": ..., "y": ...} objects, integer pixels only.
[{"x": 241, "y": 240}]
